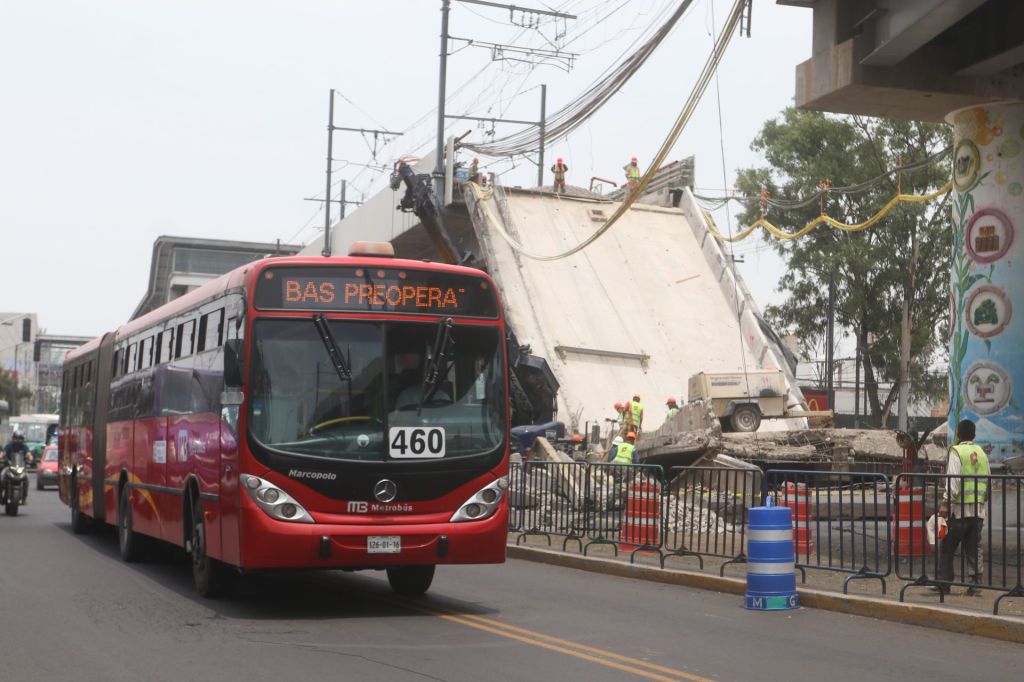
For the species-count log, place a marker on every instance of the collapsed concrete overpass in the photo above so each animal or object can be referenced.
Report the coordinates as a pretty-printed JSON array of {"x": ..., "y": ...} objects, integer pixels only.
[{"x": 640, "y": 310}]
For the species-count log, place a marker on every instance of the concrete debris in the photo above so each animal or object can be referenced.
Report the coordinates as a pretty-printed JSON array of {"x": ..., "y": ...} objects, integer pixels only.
[{"x": 684, "y": 518}]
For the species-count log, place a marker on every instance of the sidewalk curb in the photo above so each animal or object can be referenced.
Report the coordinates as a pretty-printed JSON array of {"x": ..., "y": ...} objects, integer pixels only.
[{"x": 949, "y": 619}]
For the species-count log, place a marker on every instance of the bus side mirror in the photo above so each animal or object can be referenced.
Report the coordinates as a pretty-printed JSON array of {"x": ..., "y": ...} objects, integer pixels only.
[{"x": 233, "y": 365}]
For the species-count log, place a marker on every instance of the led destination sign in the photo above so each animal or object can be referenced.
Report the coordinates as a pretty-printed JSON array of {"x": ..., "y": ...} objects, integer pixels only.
[{"x": 375, "y": 290}]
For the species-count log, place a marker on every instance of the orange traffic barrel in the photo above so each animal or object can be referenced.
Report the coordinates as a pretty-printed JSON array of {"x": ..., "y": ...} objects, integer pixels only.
[
  {"x": 641, "y": 526},
  {"x": 798, "y": 498},
  {"x": 909, "y": 537}
]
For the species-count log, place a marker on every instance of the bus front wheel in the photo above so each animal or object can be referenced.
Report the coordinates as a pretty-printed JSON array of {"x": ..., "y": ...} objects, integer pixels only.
[
  {"x": 411, "y": 581},
  {"x": 209, "y": 576}
]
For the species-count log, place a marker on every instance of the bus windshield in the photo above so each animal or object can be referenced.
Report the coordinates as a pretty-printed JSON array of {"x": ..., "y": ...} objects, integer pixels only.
[{"x": 376, "y": 403}]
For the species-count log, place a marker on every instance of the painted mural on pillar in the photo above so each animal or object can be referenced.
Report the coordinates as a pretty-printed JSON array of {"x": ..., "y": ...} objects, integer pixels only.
[{"x": 986, "y": 368}]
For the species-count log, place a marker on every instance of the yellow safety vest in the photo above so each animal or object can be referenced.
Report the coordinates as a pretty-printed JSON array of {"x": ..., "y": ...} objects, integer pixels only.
[
  {"x": 633, "y": 173},
  {"x": 624, "y": 454},
  {"x": 636, "y": 411},
  {"x": 972, "y": 489}
]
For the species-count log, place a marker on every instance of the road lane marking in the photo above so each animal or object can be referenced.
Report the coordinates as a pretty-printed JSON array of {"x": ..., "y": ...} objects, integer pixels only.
[{"x": 597, "y": 655}]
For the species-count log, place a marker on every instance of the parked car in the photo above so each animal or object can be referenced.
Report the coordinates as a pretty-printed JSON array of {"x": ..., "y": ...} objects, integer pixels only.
[{"x": 46, "y": 470}]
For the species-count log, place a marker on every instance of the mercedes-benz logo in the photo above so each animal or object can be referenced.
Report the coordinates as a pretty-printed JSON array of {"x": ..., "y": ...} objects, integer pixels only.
[{"x": 385, "y": 490}]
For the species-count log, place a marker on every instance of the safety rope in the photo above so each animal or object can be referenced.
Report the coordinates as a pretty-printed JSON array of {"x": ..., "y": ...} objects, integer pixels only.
[
  {"x": 683, "y": 118},
  {"x": 825, "y": 219}
]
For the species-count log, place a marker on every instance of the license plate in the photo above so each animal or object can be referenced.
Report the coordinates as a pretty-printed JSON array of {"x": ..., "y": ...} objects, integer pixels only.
[{"x": 384, "y": 544}]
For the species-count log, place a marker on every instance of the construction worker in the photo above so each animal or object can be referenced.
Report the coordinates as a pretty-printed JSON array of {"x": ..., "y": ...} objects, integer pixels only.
[
  {"x": 673, "y": 408},
  {"x": 620, "y": 412},
  {"x": 967, "y": 472},
  {"x": 624, "y": 451},
  {"x": 474, "y": 170},
  {"x": 616, "y": 442},
  {"x": 632, "y": 174},
  {"x": 634, "y": 414},
  {"x": 559, "y": 169}
]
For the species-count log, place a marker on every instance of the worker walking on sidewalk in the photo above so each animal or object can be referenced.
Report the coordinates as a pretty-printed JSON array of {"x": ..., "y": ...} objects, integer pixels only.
[
  {"x": 967, "y": 492},
  {"x": 634, "y": 414},
  {"x": 632, "y": 174},
  {"x": 559, "y": 169}
]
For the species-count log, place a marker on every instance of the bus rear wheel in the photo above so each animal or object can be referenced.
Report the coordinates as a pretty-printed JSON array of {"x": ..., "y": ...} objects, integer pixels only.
[
  {"x": 411, "y": 581},
  {"x": 79, "y": 522},
  {"x": 209, "y": 576}
]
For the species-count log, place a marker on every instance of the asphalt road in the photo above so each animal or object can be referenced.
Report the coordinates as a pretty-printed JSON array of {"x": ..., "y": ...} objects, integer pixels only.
[{"x": 70, "y": 609}]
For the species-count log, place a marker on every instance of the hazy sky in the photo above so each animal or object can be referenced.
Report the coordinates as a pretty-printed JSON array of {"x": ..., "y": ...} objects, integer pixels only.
[{"x": 124, "y": 120}]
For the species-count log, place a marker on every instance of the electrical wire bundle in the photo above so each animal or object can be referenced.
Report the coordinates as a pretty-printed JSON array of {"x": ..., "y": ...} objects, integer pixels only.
[{"x": 576, "y": 113}]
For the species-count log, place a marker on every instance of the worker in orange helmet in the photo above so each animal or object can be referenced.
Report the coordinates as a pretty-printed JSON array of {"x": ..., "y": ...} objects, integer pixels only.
[
  {"x": 634, "y": 414},
  {"x": 559, "y": 169},
  {"x": 632, "y": 174},
  {"x": 673, "y": 408},
  {"x": 620, "y": 412}
]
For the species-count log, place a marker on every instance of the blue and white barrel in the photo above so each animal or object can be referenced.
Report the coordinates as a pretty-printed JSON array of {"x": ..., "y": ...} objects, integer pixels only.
[{"x": 771, "y": 577}]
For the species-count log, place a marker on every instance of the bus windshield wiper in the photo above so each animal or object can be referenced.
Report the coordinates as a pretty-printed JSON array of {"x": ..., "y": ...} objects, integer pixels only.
[
  {"x": 337, "y": 359},
  {"x": 437, "y": 367}
]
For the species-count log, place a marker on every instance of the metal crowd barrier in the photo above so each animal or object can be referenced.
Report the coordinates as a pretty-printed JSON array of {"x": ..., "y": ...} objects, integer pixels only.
[
  {"x": 625, "y": 508},
  {"x": 840, "y": 521},
  {"x": 547, "y": 499},
  {"x": 516, "y": 484},
  {"x": 706, "y": 512},
  {"x": 980, "y": 547}
]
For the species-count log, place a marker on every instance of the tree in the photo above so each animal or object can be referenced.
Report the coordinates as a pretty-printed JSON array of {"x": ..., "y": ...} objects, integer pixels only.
[
  {"x": 10, "y": 391},
  {"x": 891, "y": 279}
]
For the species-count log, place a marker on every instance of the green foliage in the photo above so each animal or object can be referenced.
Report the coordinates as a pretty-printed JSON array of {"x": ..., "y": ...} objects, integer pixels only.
[{"x": 871, "y": 268}]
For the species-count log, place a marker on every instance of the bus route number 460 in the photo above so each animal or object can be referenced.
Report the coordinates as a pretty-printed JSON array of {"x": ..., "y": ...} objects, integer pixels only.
[{"x": 416, "y": 442}]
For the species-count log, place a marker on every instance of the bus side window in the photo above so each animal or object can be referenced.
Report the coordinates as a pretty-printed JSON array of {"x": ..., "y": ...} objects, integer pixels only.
[
  {"x": 185, "y": 341},
  {"x": 211, "y": 327},
  {"x": 167, "y": 345}
]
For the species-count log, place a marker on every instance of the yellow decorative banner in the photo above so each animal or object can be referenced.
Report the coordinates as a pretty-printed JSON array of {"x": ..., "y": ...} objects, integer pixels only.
[{"x": 827, "y": 220}]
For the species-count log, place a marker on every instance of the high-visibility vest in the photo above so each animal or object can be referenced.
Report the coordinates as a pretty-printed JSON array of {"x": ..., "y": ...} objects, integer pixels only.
[
  {"x": 972, "y": 489},
  {"x": 672, "y": 411},
  {"x": 624, "y": 453},
  {"x": 633, "y": 173},
  {"x": 636, "y": 412}
]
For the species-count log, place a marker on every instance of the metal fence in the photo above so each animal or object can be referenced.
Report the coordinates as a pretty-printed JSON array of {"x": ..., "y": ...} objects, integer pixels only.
[
  {"x": 706, "y": 512},
  {"x": 840, "y": 521},
  {"x": 865, "y": 525},
  {"x": 945, "y": 539}
]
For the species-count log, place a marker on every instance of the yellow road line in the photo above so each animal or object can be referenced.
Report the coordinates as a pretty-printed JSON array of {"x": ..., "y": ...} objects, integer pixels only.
[{"x": 603, "y": 657}]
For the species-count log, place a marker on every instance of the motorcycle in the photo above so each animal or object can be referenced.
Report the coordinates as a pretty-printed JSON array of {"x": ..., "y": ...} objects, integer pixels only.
[{"x": 14, "y": 484}]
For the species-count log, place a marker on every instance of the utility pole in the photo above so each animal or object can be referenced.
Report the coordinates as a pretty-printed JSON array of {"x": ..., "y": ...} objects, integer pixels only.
[
  {"x": 330, "y": 160},
  {"x": 543, "y": 117},
  {"x": 446, "y": 7},
  {"x": 327, "y": 194},
  {"x": 496, "y": 51},
  {"x": 830, "y": 333}
]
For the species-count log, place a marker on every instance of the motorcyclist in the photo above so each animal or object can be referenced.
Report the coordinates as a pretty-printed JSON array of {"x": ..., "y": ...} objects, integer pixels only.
[
  {"x": 9, "y": 455},
  {"x": 14, "y": 446}
]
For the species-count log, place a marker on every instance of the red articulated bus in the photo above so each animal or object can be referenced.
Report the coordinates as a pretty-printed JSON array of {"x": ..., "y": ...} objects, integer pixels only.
[{"x": 300, "y": 412}]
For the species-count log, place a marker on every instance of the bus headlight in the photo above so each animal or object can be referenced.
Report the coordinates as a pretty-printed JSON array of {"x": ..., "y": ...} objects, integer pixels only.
[
  {"x": 483, "y": 504},
  {"x": 275, "y": 502}
]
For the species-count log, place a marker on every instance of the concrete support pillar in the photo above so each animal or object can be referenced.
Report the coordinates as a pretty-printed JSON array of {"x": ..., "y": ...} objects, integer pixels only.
[{"x": 986, "y": 345}]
